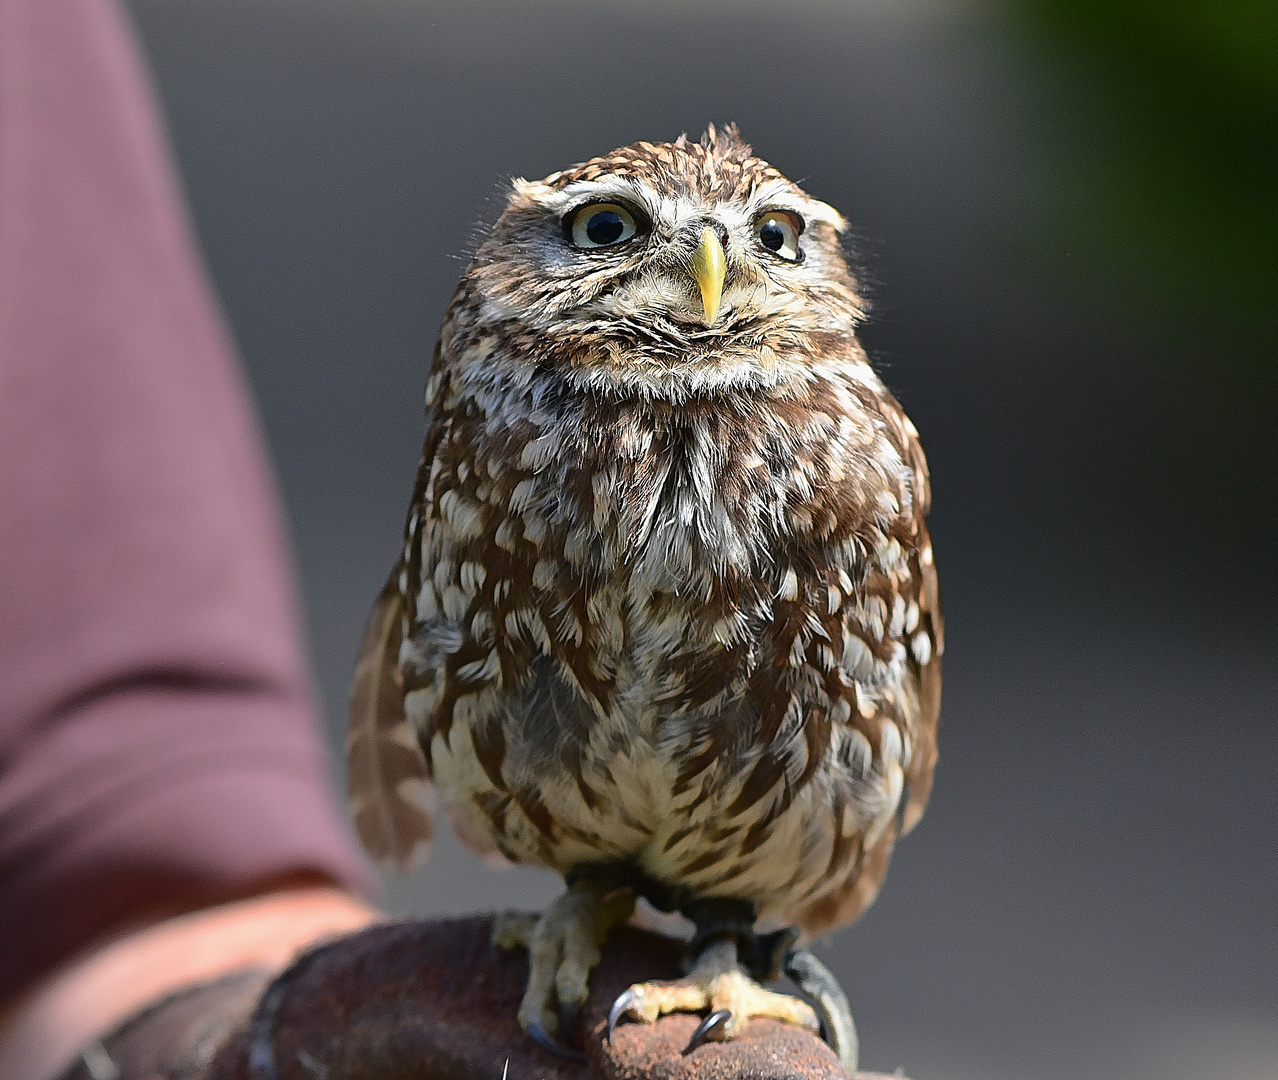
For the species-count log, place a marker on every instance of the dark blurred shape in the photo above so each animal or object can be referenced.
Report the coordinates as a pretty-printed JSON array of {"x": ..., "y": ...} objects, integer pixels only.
[
  {"x": 1202, "y": 73},
  {"x": 1186, "y": 92},
  {"x": 1163, "y": 121}
]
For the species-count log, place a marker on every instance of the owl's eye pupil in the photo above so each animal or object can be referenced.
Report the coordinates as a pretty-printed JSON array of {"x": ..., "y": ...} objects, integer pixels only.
[
  {"x": 771, "y": 236},
  {"x": 605, "y": 227}
]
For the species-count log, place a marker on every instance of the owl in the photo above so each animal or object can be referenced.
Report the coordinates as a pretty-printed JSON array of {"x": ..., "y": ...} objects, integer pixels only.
[{"x": 665, "y": 619}]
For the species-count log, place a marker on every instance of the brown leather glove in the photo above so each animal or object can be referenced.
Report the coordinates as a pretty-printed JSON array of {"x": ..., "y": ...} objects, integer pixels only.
[{"x": 430, "y": 1001}]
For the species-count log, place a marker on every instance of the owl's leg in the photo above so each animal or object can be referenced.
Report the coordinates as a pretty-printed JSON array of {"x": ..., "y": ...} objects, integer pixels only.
[{"x": 563, "y": 948}]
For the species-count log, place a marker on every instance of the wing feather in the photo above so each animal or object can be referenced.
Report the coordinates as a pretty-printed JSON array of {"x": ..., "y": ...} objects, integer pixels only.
[
  {"x": 923, "y": 763},
  {"x": 387, "y": 778},
  {"x": 922, "y": 766}
]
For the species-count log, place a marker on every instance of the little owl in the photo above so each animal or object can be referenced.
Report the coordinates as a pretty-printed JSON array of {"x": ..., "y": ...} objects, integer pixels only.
[{"x": 666, "y": 618}]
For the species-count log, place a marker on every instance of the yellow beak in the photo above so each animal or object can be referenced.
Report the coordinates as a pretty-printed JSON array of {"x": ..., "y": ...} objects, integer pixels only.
[{"x": 709, "y": 268}]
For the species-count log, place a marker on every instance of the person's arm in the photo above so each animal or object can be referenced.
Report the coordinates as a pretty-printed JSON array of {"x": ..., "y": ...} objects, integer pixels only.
[
  {"x": 47, "y": 1026},
  {"x": 159, "y": 745}
]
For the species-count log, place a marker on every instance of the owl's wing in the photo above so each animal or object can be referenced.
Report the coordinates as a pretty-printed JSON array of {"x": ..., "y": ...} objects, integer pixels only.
[
  {"x": 387, "y": 775},
  {"x": 924, "y": 659},
  {"x": 922, "y": 766}
]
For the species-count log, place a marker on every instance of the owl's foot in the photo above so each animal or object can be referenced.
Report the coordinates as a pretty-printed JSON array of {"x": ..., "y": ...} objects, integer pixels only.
[
  {"x": 717, "y": 983},
  {"x": 563, "y": 948}
]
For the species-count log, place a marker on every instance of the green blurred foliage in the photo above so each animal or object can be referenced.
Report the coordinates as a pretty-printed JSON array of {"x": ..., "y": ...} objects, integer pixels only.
[{"x": 1172, "y": 112}]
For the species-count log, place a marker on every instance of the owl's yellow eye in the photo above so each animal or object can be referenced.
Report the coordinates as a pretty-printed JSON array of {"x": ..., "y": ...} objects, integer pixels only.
[
  {"x": 601, "y": 224},
  {"x": 778, "y": 231}
]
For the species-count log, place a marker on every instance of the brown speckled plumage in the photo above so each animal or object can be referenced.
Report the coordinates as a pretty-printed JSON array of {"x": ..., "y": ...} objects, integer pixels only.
[{"x": 666, "y": 595}]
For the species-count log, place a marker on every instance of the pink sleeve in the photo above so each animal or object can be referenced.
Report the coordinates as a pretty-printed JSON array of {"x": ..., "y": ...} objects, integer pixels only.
[{"x": 158, "y": 733}]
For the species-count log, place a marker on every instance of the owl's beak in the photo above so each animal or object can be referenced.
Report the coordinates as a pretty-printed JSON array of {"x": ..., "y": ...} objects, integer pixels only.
[{"x": 709, "y": 268}]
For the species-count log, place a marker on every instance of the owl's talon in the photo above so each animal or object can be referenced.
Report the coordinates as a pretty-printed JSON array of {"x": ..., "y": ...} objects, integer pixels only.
[
  {"x": 548, "y": 1042},
  {"x": 718, "y": 983},
  {"x": 569, "y": 1011},
  {"x": 563, "y": 948},
  {"x": 623, "y": 1006},
  {"x": 710, "y": 1029},
  {"x": 818, "y": 984}
]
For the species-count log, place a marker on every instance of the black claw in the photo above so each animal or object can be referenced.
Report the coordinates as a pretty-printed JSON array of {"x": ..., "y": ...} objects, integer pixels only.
[
  {"x": 568, "y": 1013},
  {"x": 548, "y": 1042},
  {"x": 625, "y": 1000},
  {"x": 708, "y": 1029},
  {"x": 822, "y": 989}
]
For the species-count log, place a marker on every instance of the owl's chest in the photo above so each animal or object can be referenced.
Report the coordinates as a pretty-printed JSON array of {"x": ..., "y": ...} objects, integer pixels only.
[
  {"x": 639, "y": 553},
  {"x": 673, "y": 508},
  {"x": 610, "y": 541}
]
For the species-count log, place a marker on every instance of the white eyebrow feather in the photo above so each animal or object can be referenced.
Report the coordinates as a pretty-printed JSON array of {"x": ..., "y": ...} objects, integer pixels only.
[
  {"x": 556, "y": 200},
  {"x": 780, "y": 195}
]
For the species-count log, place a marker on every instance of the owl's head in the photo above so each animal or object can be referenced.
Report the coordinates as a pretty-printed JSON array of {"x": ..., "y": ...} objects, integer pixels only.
[{"x": 665, "y": 263}]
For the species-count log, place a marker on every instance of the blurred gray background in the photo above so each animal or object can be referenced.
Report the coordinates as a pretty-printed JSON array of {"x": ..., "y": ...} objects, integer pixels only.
[{"x": 1065, "y": 213}]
